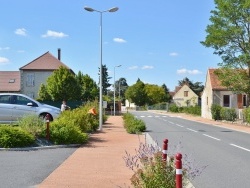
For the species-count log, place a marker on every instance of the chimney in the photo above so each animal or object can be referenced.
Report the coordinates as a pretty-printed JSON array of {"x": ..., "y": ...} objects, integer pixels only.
[{"x": 59, "y": 54}]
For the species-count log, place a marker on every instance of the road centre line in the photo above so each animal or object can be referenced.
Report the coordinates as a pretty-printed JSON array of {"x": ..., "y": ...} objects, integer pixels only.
[
  {"x": 192, "y": 130},
  {"x": 211, "y": 137},
  {"x": 171, "y": 122},
  {"x": 240, "y": 147},
  {"x": 179, "y": 125}
]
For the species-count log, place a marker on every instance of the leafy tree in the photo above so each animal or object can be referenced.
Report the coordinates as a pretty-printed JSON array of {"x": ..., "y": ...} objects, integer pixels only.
[
  {"x": 136, "y": 93},
  {"x": 62, "y": 84},
  {"x": 120, "y": 88},
  {"x": 89, "y": 88},
  {"x": 229, "y": 36},
  {"x": 155, "y": 94},
  {"x": 43, "y": 94}
]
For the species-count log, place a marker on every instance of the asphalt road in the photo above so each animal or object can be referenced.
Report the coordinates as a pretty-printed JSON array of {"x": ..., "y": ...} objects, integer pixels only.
[
  {"x": 26, "y": 169},
  {"x": 225, "y": 152}
]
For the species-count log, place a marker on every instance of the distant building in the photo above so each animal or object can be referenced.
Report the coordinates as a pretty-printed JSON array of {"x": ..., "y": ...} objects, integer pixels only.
[{"x": 30, "y": 76}]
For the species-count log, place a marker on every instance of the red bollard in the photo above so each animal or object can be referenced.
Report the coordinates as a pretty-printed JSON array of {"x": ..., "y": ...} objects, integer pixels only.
[
  {"x": 178, "y": 166},
  {"x": 47, "y": 123},
  {"x": 165, "y": 149}
]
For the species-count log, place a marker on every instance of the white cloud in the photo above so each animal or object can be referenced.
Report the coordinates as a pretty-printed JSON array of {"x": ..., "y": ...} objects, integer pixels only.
[
  {"x": 173, "y": 54},
  {"x": 119, "y": 40},
  {"x": 21, "y": 31},
  {"x": 4, "y": 61},
  {"x": 5, "y": 48},
  {"x": 133, "y": 67},
  {"x": 185, "y": 71},
  {"x": 147, "y": 67},
  {"x": 54, "y": 34}
]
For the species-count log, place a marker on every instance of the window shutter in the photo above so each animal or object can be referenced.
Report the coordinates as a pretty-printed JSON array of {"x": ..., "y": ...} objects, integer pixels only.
[{"x": 240, "y": 101}]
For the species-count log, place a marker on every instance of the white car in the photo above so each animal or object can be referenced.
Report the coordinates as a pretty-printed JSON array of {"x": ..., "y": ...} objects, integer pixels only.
[{"x": 14, "y": 106}]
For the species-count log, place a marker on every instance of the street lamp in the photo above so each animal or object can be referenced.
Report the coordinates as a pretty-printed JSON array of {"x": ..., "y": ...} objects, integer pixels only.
[
  {"x": 114, "y": 9},
  {"x": 114, "y": 87}
]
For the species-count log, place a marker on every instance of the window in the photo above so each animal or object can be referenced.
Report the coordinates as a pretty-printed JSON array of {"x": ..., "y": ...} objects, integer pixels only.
[
  {"x": 226, "y": 100},
  {"x": 244, "y": 100},
  {"x": 5, "y": 99},
  {"x": 185, "y": 93},
  {"x": 30, "y": 82}
]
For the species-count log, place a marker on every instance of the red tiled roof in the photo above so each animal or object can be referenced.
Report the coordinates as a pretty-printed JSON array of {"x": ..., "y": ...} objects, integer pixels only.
[
  {"x": 10, "y": 81},
  {"x": 215, "y": 82},
  {"x": 45, "y": 62}
]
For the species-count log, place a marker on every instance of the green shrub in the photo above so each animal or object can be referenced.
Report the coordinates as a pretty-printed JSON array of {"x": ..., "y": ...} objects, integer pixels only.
[
  {"x": 81, "y": 117},
  {"x": 11, "y": 137},
  {"x": 246, "y": 115},
  {"x": 228, "y": 114},
  {"x": 173, "y": 108},
  {"x": 66, "y": 134},
  {"x": 195, "y": 110},
  {"x": 155, "y": 173},
  {"x": 32, "y": 124},
  {"x": 132, "y": 124},
  {"x": 215, "y": 110}
]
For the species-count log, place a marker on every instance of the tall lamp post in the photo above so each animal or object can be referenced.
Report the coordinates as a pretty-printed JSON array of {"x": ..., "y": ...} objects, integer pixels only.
[
  {"x": 114, "y": 9},
  {"x": 114, "y": 86}
]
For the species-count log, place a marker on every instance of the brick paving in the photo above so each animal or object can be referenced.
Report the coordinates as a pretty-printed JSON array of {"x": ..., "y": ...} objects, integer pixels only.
[{"x": 99, "y": 163}]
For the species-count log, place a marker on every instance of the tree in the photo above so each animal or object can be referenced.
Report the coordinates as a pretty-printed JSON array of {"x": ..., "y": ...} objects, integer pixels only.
[
  {"x": 62, "y": 84},
  {"x": 136, "y": 93},
  {"x": 89, "y": 88},
  {"x": 229, "y": 36},
  {"x": 120, "y": 88},
  {"x": 155, "y": 94},
  {"x": 43, "y": 94},
  {"x": 105, "y": 79},
  {"x": 168, "y": 96}
]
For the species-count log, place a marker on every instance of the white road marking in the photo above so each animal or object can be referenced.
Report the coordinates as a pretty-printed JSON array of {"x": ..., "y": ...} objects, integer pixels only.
[
  {"x": 211, "y": 137},
  {"x": 179, "y": 125},
  {"x": 240, "y": 147},
  {"x": 171, "y": 122},
  {"x": 192, "y": 130}
]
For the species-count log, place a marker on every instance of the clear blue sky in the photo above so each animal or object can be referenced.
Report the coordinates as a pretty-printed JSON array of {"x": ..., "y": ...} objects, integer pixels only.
[{"x": 156, "y": 41}]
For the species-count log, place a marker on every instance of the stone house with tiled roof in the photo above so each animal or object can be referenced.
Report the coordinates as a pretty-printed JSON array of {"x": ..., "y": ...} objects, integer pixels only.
[
  {"x": 185, "y": 96},
  {"x": 30, "y": 76},
  {"x": 215, "y": 93}
]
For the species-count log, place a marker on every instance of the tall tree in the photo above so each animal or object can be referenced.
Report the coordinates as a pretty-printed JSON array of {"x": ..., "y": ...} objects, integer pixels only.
[
  {"x": 120, "y": 88},
  {"x": 136, "y": 93},
  {"x": 168, "y": 96},
  {"x": 62, "y": 84},
  {"x": 155, "y": 94},
  {"x": 229, "y": 36},
  {"x": 89, "y": 88},
  {"x": 105, "y": 79}
]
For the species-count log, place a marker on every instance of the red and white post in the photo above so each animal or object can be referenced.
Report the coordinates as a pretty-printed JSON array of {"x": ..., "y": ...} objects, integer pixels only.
[
  {"x": 165, "y": 149},
  {"x": 178, "y": 166},
  {"x": 47, "y": 117}
]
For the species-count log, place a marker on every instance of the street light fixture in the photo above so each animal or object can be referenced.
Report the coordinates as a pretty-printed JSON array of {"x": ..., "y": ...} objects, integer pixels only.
[
  {"x": 114, "y": 86},
  {"x": 114, "y": 9}
]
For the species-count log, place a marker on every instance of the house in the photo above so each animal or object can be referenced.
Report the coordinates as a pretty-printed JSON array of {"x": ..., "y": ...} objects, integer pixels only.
[
  {"x": 215, "y": 93},
  {"x": 30, "y": 76},
  {"x": 185, "y": 96}
]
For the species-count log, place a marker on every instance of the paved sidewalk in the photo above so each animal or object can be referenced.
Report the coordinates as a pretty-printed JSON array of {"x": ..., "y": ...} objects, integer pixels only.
[{"x": 99, "y": 163}]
